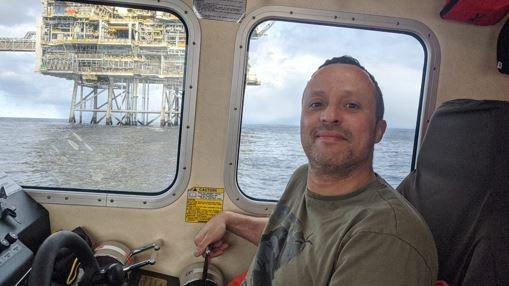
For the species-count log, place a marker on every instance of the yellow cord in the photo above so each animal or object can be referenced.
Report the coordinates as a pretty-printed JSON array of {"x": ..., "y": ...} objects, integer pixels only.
[{"x": 74, "y": 272}]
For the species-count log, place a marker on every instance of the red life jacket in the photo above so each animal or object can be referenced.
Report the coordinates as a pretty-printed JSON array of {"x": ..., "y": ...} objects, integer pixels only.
[{"x": 478, "y": 12}]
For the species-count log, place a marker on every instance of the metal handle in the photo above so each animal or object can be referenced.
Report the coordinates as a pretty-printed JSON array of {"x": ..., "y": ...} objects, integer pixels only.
[
  {"x": 150, "y": 261},
  {"x": 156, "y": 245}
]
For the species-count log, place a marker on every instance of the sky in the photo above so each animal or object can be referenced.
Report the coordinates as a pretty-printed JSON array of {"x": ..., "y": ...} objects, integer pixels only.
[
  {"x": 287, "y": 55},
  {"x": 283, "y": 59},
  {"x": 23, "y": 92}
]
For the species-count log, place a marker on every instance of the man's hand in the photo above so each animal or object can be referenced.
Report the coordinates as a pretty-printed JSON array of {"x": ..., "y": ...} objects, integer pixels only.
[
  {"x": 214, "y": 231},
  {"x": 213, "y": 234}
]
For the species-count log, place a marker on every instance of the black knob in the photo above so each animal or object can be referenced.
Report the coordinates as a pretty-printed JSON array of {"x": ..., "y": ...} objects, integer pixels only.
[
  {"x": 4, "y": 244},
  {"x": 3, "y": 193},
  {"x": 8, "y": 211},
  {"x": 11, "y": 237},
  {"x": 115, "y": 274}
]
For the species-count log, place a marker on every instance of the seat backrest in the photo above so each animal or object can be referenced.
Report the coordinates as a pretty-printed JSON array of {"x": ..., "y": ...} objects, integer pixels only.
[{"x": 461, "y": 188}]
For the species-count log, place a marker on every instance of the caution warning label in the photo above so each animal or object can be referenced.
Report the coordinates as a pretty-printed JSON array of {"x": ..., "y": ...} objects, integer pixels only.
[{"x": 203, "y": 203}]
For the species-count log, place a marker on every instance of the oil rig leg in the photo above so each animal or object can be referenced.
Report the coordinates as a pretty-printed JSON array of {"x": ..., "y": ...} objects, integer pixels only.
[{"x": 72, "y": 119}]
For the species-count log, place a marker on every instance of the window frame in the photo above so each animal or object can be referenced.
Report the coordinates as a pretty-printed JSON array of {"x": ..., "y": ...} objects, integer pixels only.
[
  {"x": 183, "y": 172},
  {"x": 429, "y": 85}
]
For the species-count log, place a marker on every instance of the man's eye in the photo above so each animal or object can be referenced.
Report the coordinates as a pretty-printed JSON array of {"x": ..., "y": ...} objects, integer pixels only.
[
  {"x": 315, "y": 104},
  {"x": 352, "y": 105}
]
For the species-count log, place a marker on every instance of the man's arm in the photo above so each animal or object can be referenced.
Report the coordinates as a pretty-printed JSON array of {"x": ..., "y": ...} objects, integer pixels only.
[
  {"x": 371, "y": 258},
  {"x": 213, "y": 233}
]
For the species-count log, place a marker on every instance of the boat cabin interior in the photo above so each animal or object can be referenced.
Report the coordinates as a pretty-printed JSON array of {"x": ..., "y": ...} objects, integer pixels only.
[{"x": 126, "y": 125}]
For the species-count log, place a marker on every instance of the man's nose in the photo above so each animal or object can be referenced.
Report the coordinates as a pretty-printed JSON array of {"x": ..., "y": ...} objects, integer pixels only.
[{"x": 331, "y": 114}]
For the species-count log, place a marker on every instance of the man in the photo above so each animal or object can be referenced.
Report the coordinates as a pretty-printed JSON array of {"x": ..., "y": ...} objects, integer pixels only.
[{"x": 337, "y": 223}]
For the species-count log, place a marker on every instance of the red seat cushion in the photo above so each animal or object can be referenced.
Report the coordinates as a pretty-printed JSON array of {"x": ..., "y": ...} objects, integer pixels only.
[{"x": 237, "y": 281}]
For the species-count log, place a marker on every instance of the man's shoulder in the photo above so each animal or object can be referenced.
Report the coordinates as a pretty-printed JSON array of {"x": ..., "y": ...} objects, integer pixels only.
[
  {"x": 388, "y": 214},
  {"x": 296, "y": 185},
  {"x": 386, "y": 211},
  {"x": 300, "y": 172}
]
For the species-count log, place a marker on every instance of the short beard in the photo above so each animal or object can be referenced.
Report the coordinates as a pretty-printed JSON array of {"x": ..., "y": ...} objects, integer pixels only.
[{"x": 325, "y": 167}]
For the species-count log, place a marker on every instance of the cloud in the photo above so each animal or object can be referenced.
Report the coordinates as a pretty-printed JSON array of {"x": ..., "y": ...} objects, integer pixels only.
[
  {"x": 10, "y": 107},
  {"x": 14, "y": 13},
  {"x": 283, "y": 79},
  {"x": 17, "y": 31},
  {"x": 401, "y": 93},
  {"x": 285, "y": 58},
  {"x": 27, "y": 93},
  {"x": 19, "y": 17}
]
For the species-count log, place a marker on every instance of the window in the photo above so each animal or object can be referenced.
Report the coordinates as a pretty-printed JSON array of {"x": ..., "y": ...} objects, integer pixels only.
[
  {"x": 92, "y": 96},
  {"x": 282, "y": 54},
  {"x": 282, "y": 57}
]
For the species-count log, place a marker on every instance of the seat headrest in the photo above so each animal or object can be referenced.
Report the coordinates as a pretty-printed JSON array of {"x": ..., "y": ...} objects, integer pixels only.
[
  {"x": 461, "y": 181},
  {"x": 463, "y": 160}
]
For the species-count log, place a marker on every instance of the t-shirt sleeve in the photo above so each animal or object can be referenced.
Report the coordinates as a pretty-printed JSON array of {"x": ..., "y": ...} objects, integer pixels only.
[{"x": 370, "y": 258}]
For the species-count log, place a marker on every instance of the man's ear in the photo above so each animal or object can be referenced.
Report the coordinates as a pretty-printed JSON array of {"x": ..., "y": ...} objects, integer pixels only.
[{"x": 381, "y": 125}]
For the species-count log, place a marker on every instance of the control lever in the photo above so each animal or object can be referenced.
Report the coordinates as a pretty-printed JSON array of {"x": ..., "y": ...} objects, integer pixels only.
[
  {"x": 6, "y": 211},
  {"x": 115, "y": 274},
  {"x": 3, "y": 193},
  {"x": 150, "y": 261},
  {"x": 156, "y": 245},
  {"x": 206, "y": 266}
]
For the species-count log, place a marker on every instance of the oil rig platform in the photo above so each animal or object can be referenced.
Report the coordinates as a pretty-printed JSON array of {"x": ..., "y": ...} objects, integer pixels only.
[
  {"x": 121, "y": 60},
  {"x": 118, "y": 59}
]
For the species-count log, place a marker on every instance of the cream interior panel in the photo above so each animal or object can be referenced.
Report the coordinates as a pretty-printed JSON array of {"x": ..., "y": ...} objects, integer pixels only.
[
  {"x": 216, "y": 65},
  {"x": 468, "y": 70},
  {"x": 135, "y": 227}
]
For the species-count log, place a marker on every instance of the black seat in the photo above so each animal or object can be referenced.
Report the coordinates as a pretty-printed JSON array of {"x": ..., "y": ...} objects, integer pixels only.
[{"x": 461, "y": 188}]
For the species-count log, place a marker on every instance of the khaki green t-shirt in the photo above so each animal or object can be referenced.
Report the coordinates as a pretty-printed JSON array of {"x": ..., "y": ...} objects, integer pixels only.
[{"x": 371, "y": 236}]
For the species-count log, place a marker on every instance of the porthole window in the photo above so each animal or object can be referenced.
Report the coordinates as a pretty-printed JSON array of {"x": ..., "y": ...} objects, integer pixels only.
[
  {"x": 92, "y": 96},
  {"x": 282, "y": 55}
]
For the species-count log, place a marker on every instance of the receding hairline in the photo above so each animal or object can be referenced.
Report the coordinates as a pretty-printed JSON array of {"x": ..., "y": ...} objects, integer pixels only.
[{"x": 364, "y": 72}]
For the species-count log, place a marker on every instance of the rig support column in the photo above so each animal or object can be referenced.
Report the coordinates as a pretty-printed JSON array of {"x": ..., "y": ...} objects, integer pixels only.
[
  {"x": 72, "y": 119},
  {"x": 135, "y": 103},
  {"x": 81, "y": 103},
  {"x": 94, "y": 114},
  {"x": 163, "y": 118},
  {"x": 108, "y": 106}
]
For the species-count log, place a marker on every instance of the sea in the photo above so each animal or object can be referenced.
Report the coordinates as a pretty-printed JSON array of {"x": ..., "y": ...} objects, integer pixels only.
[
  {"x": 268, "y": 155},
  {"x": 54, "y": 153}
]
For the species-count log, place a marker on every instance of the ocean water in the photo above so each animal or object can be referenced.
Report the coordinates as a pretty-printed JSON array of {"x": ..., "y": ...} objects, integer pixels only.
[
  {"x": 268, "y": 155},
  {"x": 54, "y": 153}
]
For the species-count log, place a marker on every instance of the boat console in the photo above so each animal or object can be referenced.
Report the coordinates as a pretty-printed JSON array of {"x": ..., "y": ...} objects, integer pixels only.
[
  {"x": 29, "y": 255},
  {"x": 24, "y": 225}
]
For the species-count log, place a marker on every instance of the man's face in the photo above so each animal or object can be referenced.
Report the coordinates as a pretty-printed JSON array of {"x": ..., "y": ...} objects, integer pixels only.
[{"x": 338, "y": 123}]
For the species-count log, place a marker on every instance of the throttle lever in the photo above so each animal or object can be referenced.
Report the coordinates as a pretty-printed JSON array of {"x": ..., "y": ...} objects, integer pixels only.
[
  {"x": 116, "y": 273},
  {"x": 206, "y": 265},
  {"x": 6, "y": 211},
  {"x": 150, "y": 261},
  {"x": 156, "y": 245}
]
